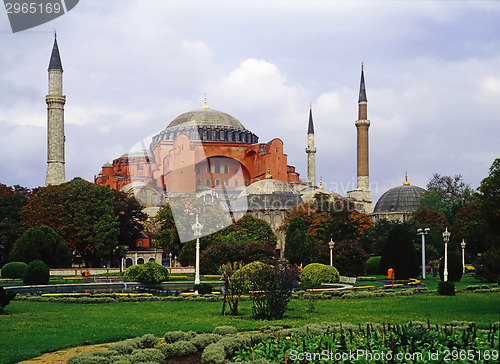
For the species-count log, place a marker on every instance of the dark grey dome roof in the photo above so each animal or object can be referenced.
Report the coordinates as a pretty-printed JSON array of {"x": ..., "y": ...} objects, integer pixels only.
[
  {"x": 209, "y": 118},
  {"x": 405, "y": 198},
  {"x": 207, "y": 125},
  {"x": 267, "y": 194}
]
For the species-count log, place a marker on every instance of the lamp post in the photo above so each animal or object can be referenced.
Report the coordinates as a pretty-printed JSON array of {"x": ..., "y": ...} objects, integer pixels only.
[
  {"x": 331, "y": 244},
  {"x": 423, "y": 233},
  {"x": 446, "y": 238},
  {"x": 463, "y": 255},
  {"x": 197, "y": 227}
]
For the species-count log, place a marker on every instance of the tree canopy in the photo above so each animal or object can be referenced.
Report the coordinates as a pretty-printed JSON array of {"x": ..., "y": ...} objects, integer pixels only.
[
  {"x": 42, "y": 243},
  {"x": 12, "y": 199},
  {"x": 81, "y": 212}
]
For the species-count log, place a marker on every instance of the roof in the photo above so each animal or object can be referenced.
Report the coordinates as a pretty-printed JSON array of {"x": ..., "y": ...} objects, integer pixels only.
[
  {"x": 267, "y": 194},
  {"x": 362, "y": 90},
  {"x": 209, "y": 118},
  {"x": 55, "y": 58},
  {"x": 405, "y": 198},
  {"x": 310, "y": 130}
]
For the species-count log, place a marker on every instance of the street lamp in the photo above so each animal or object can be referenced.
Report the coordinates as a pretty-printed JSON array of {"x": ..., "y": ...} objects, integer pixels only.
[
  {"x": 423, "y": 233},
  {"x": 463, "y": 255},
  {"x": 197, "y": 227},
  {"x": 331, "y": 244},
  {"x": 446, "y": 238}
]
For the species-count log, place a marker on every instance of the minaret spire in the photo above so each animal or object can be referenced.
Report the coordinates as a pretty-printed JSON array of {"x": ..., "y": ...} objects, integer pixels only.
[
  {"x": 55, "y": 120},
  {"x": 311, "y": 150}
]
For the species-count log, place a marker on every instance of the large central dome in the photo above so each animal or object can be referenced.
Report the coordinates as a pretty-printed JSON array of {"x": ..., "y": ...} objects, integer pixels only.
[
  {"x": 208, "y": 118},
  {"x": 207, "y": 125}
]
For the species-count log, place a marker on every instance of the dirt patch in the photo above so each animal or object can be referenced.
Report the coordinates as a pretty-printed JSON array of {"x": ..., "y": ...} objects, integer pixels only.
[{"x": 62, "y": 356}]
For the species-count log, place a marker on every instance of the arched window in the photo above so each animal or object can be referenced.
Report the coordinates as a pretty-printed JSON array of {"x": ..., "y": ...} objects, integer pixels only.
[
  {"x": 226, "y": 182},
  {"x": 217, "y": 182},
  {"x": 128, "y": 262},
  {"x": 151, "y": 259},
  {"x": 207, "y": 182},
  {"x": 155, "y": 199},
  {"x": 140, "y": 260},
  {"x": 198, "y": 182},
  {"x": 235, "y": 183}
]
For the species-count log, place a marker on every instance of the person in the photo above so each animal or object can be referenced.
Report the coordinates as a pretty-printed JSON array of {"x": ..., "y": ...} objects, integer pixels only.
[
  {"x": 87, "y": 274},
  {"x": 390, "y": 273}
]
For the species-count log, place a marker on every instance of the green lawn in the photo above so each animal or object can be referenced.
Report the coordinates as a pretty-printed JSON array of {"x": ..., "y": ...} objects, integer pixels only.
[{"x": 32, "y": 328}]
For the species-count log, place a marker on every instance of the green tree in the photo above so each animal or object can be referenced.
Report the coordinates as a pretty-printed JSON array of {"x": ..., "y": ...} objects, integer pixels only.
[
  {"x": 130, "y": 216},
  {"x": 166, "y": 236},
  {"x": 349, "y": 258},
  {"x": 469, "y": 226},
  {"x": 297, "y": 249},
  {"x": 12, "y": 199},
  {"x": 43, "y": 243},
  {"x": 489, "y": 203},
  {"x": 247, "y": 229},
  {"x": 447, "y": 194},
  {"x": 399, "y": 254},
  {"x": 37, "y": 273},
  {"x": 81, "y": 213}
]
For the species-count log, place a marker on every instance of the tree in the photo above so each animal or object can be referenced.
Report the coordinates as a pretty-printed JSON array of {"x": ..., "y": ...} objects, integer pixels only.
[
  {"x": 81, "y": 213},
  {"x": 452, "y": 191},
  {"x": 42, "y": 243},
  {"x": 12, "y": 199},
  {"x": 399, "y": 254},
  {"x": 469, "y": 226},
  {"x": 297, "y": 249},
  {"x": 489, "y": 203},
  {"x": 166, "y": 236},
  {"x": 247, "y": 229},
  {"x": 349, "y": 258},
  {"x": 130, "y": 216}
]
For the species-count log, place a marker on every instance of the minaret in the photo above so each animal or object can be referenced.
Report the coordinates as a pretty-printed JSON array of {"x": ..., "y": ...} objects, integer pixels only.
[
  {"x": 311, "y": 150},
  {"x": 362, "y": 193},
  {"x": 55, "y": 120}
]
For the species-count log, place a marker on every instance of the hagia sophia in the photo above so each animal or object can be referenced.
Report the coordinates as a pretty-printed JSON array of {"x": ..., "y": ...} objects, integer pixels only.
[{"x": 211, "y": 155}]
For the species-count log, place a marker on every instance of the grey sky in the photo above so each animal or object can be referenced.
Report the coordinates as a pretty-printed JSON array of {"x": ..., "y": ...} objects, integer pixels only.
[{"x": 130, "y": 67}]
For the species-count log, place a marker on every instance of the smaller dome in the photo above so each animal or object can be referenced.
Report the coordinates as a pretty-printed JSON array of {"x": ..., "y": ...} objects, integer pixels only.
[
  {"x": 107, "y": 165},
  {"x": 267, "y": 187},
  {"x": 405, "y": 198},
  {"x": 267, "y": 194}
]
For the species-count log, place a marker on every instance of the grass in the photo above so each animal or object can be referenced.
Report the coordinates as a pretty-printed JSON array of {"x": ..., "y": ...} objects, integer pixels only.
[{"x": 32, "y": 328}]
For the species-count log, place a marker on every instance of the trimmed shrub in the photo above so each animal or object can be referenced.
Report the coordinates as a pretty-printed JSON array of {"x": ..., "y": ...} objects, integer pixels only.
[
  {"x": 203, "y": 288},
  {"x": 148, "y": 341},
  {"x": 37, "y": 273},
  {"x": 151, "y": 272},
  {"x": 14, "y": 270},
  {"x": 225, "y": 330},
  {"x": 173, "y": 336},
  {"x": 147, "y": 355},
  {"x": 203, "y": 340},
  {"x": 487, "y": 267},
  {"x": 446, "y": 288},
  {"x": 316, "y": 273},
  {"x": 5, "y": 298},
  {"x": 126, "y": 346},
  {"x": 213, "y": 354},
  {"x": 372, "y": 265},
  {"x": 455, "y": 268},
  {"x": 177, "y": 349}
]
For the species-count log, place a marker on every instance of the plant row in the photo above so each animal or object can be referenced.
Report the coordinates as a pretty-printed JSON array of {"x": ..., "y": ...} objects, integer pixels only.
[{"x": 459, "y": 342}]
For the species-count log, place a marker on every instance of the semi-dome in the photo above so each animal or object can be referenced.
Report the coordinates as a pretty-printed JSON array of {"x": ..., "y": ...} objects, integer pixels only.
[
  {"x": 405, "y": 198},
  {"x": 207, "y": 125},
  {"x": 267, "y": 194}
]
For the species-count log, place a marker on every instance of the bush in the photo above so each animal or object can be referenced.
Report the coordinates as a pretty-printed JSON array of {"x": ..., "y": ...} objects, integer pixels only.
[
  {"x": 372, "y": 265},
  {"x": 151, "y": 272},
  {"x": 147, "y": 355},
  {"x": 455, "y": 268},
  {"x": 487, "y": 267},
  {"x": 203, "y": 340},
  {"x": 225, "y": 330},
  {"x": 37, "y": 273},
  {"x": 213, "y": 354},
  {"x": 173, "y": 336},
  {"x": 446, "y": 288},
  {"x": 14, "y": 270},
  {"x": 399, "y": 253},
  {"x": 316, "y": 273},
  {"x": 203, "y": 288},
  {"x": 42, "y": 243},
  {"x": 5, "y": 298},
  {"x": 349, "y": 258},
  {"x": 177, "y": 349}
]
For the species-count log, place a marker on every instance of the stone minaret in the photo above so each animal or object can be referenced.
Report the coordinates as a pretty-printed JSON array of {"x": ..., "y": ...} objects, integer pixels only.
[
  {"x": 362, "y": 192},
  {"x": 311, "y": 150},
  {"x": 55, "y": 121}
]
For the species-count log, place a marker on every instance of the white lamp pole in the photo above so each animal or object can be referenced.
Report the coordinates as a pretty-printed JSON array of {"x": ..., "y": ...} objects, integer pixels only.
[
  {"x": 331, "y": 244},
  {"x": 423, "y": 233},
  {"x": 463, "y": 256},
  {"x": 446, "y": 238},
  {"x": 197, "y": 227}
]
